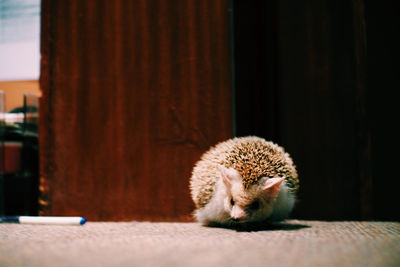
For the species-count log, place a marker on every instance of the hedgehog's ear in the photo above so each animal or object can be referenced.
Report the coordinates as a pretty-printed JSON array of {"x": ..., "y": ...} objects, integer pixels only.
[
  {"x": 228, "y": 175},
  {"x": 271, "y": 185}
]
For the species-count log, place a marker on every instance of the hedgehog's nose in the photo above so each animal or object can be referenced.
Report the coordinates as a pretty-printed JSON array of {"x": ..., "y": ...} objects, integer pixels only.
[{"x": 237, "y": 214}]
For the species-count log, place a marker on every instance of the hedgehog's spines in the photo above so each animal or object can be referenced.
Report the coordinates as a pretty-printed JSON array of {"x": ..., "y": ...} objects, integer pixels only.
[{"x": 253, "y": 158}]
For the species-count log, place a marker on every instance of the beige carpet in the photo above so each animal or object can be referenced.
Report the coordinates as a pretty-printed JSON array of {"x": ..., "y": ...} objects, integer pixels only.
[{"x": 296, "y": 243}]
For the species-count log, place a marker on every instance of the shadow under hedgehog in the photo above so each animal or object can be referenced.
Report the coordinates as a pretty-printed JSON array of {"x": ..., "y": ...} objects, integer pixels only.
[{"x": 244, "y": 180}]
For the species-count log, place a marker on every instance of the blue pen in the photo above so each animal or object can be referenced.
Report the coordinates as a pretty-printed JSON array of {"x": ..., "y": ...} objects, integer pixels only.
[{"x": 43, "y": 220}]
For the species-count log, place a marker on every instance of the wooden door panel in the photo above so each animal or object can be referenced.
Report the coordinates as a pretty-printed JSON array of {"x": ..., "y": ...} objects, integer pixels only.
[{"x": 133, "y": 93}]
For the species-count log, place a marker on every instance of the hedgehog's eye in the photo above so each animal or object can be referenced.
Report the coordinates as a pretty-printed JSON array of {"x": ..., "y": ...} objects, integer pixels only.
[
  {"x": 254, "y": 205},
  {"x": 232, "y": 202}
]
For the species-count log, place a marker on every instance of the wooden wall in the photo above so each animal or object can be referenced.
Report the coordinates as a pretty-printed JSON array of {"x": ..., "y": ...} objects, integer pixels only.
[
  {"x": 383, "y": 83},
  {"x": 319, "y": 78},
  {"x": 320, "y": 108},
  {"x": 133, "y": 93}
]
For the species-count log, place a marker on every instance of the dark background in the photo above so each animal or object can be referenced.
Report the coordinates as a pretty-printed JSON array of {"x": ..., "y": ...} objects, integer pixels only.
[{"x": 319, "y": 78}]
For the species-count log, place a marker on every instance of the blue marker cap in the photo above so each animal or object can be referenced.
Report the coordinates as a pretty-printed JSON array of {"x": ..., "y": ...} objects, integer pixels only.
[{"x": 10, "y": 219}]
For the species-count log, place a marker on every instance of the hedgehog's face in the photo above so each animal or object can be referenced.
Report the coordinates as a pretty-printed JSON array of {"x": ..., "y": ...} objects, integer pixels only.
[{"x": 248, "y": 204}]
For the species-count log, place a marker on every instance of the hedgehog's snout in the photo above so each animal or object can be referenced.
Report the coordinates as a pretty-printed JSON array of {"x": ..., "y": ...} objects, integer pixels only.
[{"x": 238, "y": 214}]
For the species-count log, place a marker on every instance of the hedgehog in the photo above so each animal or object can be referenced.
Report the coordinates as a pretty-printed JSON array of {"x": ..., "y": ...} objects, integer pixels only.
[{"x": 244, "y": 180}]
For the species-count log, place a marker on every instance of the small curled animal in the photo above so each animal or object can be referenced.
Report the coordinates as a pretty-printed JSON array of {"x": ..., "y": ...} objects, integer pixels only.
[{"x": 244, "y": 180}]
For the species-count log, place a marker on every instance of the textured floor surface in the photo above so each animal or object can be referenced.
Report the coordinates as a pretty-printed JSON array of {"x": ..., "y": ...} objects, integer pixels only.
[{"x": 295, "y": 243}]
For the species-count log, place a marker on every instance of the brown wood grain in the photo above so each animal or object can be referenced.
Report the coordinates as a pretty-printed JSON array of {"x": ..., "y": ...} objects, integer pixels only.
[{"x": 133, "y": 93}]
